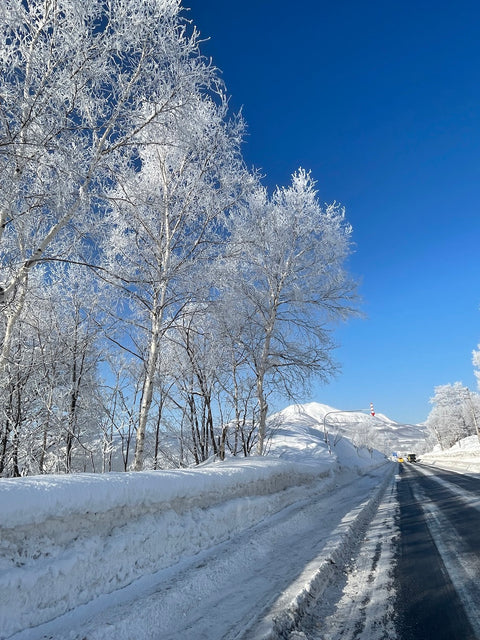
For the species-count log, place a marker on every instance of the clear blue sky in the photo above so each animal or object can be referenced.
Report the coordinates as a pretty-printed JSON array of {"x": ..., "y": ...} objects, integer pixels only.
[{"x": 381, "y": 101}]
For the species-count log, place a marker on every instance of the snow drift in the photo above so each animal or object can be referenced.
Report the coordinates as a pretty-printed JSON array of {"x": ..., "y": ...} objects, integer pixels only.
[
  {"x": 87, "y": 535},
  {"x": 463, "y": 456},
  {"x": 66, "y": 540}
]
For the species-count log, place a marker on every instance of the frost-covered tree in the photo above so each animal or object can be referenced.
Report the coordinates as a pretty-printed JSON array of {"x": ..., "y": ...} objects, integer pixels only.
[
  {"x": 116, "y": 155},
  {"x": 80, "y": 83},
  {"x": 119, "y": 392},
  {"x": 194, "y": 349},
  {"x": 49, "y": 401},
  {"x": 455, "y": 414},
  {"x": 287, "y": 271},
  {"x": 167, "y": 223},
  {"x": 476, "y": 364},
  {"x": 365, "y": 436},
  {"x": 238, "y": 382}
]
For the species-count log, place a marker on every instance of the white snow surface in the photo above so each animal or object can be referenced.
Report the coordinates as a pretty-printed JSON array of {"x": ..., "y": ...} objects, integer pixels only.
[
  {"x": 222, "y": 551},
  {"x": 463, "y": 456}
]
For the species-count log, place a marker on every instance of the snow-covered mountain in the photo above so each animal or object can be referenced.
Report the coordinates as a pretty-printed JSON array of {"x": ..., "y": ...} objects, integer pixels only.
[{"x": 363, "y": 430}]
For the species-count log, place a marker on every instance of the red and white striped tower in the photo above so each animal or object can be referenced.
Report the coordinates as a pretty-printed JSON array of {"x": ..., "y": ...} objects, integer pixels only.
[{"x": 372, "y": 412}]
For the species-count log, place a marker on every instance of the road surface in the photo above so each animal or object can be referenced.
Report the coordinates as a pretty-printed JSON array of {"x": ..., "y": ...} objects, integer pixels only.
[
  {"x": 438, "y": 569},
  {"x": 417, "y": 574}
]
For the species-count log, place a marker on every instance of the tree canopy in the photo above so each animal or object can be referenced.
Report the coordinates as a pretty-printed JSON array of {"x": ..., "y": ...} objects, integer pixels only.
[{"x": 153, "y": 294}]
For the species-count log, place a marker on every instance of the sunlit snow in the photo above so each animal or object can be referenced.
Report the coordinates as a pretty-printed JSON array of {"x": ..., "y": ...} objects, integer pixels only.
[{"x": 217, "y": 551}]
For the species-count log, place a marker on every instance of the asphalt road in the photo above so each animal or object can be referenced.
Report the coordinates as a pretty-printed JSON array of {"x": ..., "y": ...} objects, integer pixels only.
[{"x": 438, "y": 563}]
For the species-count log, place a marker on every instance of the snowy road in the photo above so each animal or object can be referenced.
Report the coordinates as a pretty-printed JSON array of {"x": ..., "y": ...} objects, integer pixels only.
[
  {"x": 417, "y": 573},
  {"x": 439, "y": 561},
  {"x": 359, "y": 603},
  {"x": 382, "y": 556}
]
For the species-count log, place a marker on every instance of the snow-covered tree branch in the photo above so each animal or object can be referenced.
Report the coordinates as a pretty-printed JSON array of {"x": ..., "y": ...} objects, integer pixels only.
[{"x": 287, "y": 257}]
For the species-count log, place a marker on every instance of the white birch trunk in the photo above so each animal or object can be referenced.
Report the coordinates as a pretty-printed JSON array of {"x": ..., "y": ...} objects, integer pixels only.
[{"x": 156, "y": 327}]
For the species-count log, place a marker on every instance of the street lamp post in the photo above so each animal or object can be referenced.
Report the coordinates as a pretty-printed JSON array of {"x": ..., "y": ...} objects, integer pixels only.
[{"x": 325, "y": 433}]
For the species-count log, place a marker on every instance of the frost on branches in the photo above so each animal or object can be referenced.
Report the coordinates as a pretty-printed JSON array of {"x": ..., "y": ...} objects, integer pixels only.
[
  {"x": 81, "y": 81},
  {"x": 287, "y": 280},
  {"x": 153, "y": 296},
  {"x": 455, "y": 414},
  {"x": 476, "y": 364}
]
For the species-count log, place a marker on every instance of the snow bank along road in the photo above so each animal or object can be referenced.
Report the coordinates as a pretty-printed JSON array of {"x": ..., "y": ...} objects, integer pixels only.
[{"x": 206, "y": 556}]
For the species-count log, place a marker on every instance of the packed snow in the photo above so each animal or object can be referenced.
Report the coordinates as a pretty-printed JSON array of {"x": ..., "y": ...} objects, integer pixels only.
[
  {"x": 463, "y": 456},
  {"x": 358, "y": 603},
  {"x": 226, "y": 550}
]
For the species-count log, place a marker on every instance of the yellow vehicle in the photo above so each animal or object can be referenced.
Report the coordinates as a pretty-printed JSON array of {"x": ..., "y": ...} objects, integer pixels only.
[{"x": 401, "y": 460}]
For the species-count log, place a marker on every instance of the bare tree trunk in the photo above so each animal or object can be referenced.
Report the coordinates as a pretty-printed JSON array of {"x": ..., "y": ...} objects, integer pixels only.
[
  {"x": 195, "y": 430},
  {"x": 157, "y": 435},
  {"x": 210, "y": 430},
  {"x": 263, "y": 410},
  {"x": 261, "y": 398},
  {"x": 3, "y": 453},
  {"x": 221, "y": 442},
  {"x": 150, "y": 370},
  {"x": 16, "y": 468},
  {"x": 43, "y": 453},
  {"x": 237, "y": 412},
  {"x": 78, "y": 367},
  {"x": 156, "y": 324},
  {"x": 147, "y": 396},
  {"x": 12, "y": 314}
]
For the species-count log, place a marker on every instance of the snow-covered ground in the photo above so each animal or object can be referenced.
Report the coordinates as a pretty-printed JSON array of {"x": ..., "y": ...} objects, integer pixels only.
[
  {"x": 463, "y": 456},
  {"x": 358, "y": 603},
  {"x": 226, "y": 550}
]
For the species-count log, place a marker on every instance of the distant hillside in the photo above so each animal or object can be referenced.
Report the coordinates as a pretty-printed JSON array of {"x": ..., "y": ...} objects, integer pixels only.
[{"x": 379, "y": 432}]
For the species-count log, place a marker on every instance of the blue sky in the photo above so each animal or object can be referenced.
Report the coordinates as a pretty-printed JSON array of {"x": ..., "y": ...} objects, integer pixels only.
[{"x": 381, "y": 101}]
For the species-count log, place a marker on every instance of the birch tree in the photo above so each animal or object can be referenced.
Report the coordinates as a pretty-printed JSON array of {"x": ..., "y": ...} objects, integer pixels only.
[
  {"x": 167, "y": 223},
  {"x": 455, "y": 414},
  {"x": 289, "y": 254},
  {"x": 80, "y": 81}
]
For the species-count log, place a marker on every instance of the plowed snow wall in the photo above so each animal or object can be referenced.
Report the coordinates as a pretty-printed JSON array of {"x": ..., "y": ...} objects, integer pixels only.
[{"x": 65, "y": 540}]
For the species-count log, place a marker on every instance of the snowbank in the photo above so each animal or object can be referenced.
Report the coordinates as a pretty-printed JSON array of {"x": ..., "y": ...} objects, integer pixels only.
[
  {"x": 66, "y": 540},
  {"x": 463, "y": 456}
]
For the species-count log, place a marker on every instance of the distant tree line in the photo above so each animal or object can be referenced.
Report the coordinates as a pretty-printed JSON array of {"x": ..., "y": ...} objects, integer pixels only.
[{"x": 153, "y": 294}]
